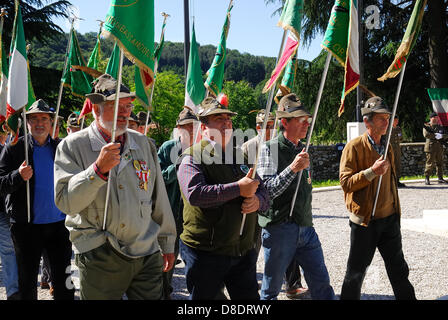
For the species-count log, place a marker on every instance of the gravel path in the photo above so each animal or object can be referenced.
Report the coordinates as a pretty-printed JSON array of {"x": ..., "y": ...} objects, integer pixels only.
[{"x": 426, "y": 253}]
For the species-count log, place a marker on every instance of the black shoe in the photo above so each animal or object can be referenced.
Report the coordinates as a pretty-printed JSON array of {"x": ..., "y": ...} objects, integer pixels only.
[
  {"x": 14, "y": 296},
  {"x": 427, "y": 181},
  {"x": 442, "y": 181},
  {"x": 401, "y": 185}
]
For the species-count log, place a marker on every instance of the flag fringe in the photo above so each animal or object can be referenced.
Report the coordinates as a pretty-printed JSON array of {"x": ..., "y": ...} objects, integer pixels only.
[
  {"x": 267, "y": 87},
  {"x": 129, "y": 56}
]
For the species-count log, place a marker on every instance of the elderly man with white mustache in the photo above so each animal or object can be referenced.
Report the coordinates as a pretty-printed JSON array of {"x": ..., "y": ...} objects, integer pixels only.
[{"x": 128, "y": 255}]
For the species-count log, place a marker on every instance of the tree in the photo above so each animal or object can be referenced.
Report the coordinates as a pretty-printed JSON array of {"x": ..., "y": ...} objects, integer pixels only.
[
  {"x": 427, "y": 65},
  {"x": 38, "y": 18},
  {"x": 167, "y": 103},
  {"x": 241, "y": 100}
]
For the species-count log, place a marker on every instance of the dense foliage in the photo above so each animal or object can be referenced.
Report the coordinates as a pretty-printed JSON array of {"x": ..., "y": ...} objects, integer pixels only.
[{"x": 245, "y": 74}]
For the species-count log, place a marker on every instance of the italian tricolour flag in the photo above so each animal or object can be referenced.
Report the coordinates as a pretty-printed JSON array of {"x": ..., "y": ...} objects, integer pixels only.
[
  {"x": 17, "y": 96},
  {"x": 439, "y": 99}
]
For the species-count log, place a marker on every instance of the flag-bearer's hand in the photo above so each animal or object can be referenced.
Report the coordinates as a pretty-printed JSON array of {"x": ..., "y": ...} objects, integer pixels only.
[
  {"x": 381, "y": 166},
  {"x": 248, "y": 186},
  {"x": 109, "y": 157},
  {"x": 168, "y": 261},
  {"x": 25, "y": 171},
  {"x": 300, "y": 162},
  {"x": 250, "y": 205}
]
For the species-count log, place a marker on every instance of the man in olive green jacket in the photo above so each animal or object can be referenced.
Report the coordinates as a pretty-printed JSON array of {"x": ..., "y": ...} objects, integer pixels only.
[
  {"x": 137, "y": 242},
  {"x": 287, "y": 237},
  {"x": 218, "y": 190},
  {"x": 434, "y": 134}
]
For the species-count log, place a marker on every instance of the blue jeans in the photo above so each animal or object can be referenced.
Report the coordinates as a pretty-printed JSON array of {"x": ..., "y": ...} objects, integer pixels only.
[
  {"x": 205, "y": 272},
  {"x": 8, "y": 257},
  {"x": 284, "y": 242}
]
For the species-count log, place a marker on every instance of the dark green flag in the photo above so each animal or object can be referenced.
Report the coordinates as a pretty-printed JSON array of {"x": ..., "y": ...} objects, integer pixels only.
[{"x": 78, "y": 81}]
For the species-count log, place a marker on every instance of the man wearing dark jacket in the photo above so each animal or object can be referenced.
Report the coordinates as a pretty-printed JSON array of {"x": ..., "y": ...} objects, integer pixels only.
[
  {"x": 217, "y": 190},
  {"x": 42, "y": 225}
]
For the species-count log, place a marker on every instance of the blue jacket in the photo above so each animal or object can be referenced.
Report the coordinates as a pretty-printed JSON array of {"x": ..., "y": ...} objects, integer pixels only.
[{"x": 12, "y": 186}]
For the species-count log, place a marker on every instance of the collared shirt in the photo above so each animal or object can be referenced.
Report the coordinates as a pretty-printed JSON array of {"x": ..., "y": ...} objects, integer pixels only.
[
  {"x": 267, "y": 170},
  {"x": 44, "y": 208},
  {"x": 120, "y": 139},
  {"x": 380, "y": 148}
]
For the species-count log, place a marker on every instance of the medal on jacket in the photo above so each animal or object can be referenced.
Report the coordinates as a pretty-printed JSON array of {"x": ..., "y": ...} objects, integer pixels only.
[
  {"x": 309, "y": 176},
  {"x": 244, "y": 168},
  {"x": 142, "y": 171}
]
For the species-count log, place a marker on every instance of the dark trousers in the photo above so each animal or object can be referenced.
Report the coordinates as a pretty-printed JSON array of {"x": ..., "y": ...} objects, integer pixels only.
[
  {"x": 29, "y": 242},
  {"x": 205, "y": 273},
  {"x": 293, "y": 278},
  {"x": 385, "y": 235}
]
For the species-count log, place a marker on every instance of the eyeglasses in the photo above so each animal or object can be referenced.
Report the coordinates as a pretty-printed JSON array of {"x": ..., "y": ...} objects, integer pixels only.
[
  {"x": 128, "y": 106},
  {"x": 37, "y": 120},
  {"x": 302, "y": 120}
]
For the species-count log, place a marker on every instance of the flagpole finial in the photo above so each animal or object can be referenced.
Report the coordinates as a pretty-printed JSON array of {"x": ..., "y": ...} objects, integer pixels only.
[
  {"x": 165, "y": 15},
  {"x": 101, "y": 23}
]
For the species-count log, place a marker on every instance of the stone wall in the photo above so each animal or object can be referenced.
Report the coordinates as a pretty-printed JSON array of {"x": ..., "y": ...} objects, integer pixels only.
[{"x": 325, "y": 161}]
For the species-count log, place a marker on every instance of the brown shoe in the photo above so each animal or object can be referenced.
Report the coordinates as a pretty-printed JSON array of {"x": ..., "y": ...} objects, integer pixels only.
[
  {"x": 52, "y": 291},
  {"x": 44, "y": 285},
  {"x": 299, "y": 293}
]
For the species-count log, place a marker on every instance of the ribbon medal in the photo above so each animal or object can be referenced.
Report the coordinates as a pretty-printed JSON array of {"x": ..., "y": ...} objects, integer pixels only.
[{"x": 142, "y": 171}]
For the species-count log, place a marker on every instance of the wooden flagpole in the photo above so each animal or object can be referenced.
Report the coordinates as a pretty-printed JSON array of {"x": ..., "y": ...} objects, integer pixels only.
[
  {"x": 114, "y": 130},
  {"x": 389, "y": 132}
]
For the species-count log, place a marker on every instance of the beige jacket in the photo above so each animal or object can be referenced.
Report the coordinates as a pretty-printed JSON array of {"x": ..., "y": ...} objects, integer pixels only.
[
  {"x": 139, "y": 222},
  {"x": 359, "y": 182}
]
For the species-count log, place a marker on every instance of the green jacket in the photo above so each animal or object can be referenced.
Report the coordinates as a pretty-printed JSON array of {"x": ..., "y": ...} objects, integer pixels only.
[
  {"x": 167, "y": 153},
  {"x": 281, "y": 205},
  {"x": 217, "y": 229}
]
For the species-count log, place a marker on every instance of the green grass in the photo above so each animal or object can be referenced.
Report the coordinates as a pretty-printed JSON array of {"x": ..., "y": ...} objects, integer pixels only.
[{"x": 332, "y": 183}]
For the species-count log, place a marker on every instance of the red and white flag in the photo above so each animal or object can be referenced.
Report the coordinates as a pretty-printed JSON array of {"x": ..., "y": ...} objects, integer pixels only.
[{"x": 290, "y": 50}]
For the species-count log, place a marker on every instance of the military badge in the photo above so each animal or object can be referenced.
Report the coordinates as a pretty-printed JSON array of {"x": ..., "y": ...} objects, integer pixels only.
[
  {"x": 244, "y": 168},
  {"x": 142, "y": 171}
]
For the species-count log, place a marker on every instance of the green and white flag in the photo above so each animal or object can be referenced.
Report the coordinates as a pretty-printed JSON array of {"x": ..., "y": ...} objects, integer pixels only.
[
  {"x": 131, "y": 24},
  {"x": 20, "y": 92},
  {"x": 194, "y": 87},
  {"x": 77, "y": 80},
  {"x": 216, "y": 72}
]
